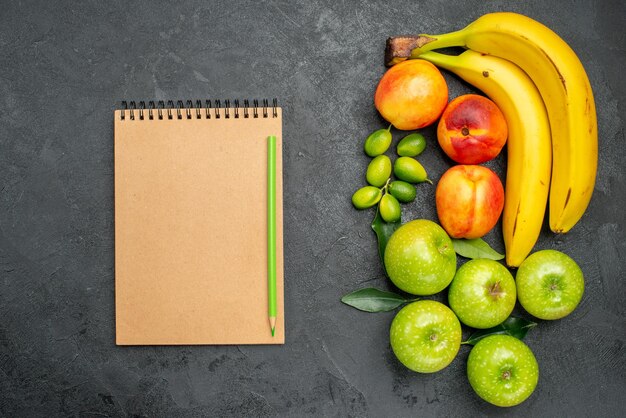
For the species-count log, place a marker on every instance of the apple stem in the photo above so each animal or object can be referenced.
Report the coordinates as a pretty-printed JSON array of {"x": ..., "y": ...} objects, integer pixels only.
[{"x": 495, "y": 289}]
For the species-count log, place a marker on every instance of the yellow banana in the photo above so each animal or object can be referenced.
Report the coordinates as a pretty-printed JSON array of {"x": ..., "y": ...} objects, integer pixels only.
[
  {"x": 528, "y": 146},
  {"x": 561, "y": 79}
]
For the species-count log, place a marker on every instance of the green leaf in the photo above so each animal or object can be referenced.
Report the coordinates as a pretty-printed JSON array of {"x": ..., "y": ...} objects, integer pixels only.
[
  {"x": 475, "y": 248},
  {"x": 513, "y": 326},
  {"x": 383, "y": 232},
  {"x": 374, "y": 300}
]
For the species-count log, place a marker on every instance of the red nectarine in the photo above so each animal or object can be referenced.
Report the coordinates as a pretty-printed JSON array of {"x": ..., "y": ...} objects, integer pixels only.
[
  {"x": 469, "y": 200},
  {"x": 472, "y": 129}
]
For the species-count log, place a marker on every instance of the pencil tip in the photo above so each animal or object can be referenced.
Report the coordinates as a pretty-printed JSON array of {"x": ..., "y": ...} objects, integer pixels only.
[{"x": 273, "y": 324}]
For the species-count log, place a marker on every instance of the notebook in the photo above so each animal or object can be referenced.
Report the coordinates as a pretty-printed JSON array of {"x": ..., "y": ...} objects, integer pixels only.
[{"x": 191, "y": 223}]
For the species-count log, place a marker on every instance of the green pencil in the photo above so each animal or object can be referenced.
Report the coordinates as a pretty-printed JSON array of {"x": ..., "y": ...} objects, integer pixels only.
[{"x": 271, "y": 230}]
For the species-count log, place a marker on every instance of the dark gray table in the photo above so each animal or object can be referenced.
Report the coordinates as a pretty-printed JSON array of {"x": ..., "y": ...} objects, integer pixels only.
[{"x": 62, "y": 68}]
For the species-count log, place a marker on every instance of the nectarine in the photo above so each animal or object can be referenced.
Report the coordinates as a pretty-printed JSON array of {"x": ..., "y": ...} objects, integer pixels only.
[
  {"x": 411, "y": 95},
  {"x": 472, "y": 129},
  {"x": 469, "y": 201}
]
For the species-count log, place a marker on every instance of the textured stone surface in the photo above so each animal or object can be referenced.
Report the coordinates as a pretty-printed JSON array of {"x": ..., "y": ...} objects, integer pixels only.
[{"x": 62, "y": 68}]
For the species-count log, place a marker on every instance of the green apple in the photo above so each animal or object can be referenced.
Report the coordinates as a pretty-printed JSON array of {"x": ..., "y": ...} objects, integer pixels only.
[
  {"x": 420, "y": 258},
  {"x": 502, "y": 370},
  {"x": 549, "y": 284},
  {"x": 425, "y": 336},
  {"x": 482, "y": 293}
]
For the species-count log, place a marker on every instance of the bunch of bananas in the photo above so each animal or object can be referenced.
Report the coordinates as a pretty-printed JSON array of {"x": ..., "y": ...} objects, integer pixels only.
[{"x": 544, "y": 93}]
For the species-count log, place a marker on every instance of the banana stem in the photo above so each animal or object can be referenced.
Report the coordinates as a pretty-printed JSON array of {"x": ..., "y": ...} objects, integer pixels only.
[
  {"x": 401, "y": 48},
  {"x": 440, "y": 60},
  {"x": 445, "y": 40}
]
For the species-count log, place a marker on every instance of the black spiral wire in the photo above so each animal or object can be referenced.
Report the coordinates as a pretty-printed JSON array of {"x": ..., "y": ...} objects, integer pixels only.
[{"x": 187, "y": 109}]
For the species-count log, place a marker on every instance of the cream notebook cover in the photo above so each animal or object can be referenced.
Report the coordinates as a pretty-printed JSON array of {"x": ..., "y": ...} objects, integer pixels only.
[{"x": 191, "y": 224}]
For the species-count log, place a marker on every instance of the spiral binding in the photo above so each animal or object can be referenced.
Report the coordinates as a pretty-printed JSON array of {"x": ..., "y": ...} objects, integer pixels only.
[{"x": 189, "y": 109}]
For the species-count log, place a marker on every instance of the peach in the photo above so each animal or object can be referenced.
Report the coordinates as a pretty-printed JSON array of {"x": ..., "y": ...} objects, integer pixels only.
[
  {"x": 411, "y": 95},
  {"x": 472, "y": 129},
  {"x": 469, "y": 201}
]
